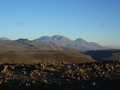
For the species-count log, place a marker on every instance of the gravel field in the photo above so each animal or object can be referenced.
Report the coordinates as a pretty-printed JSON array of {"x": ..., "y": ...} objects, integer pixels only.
[{"x": 60, "y": 76}]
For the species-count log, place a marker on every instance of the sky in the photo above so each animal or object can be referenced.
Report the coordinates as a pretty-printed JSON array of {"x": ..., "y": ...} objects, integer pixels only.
[{"x": 93, "y": 20}]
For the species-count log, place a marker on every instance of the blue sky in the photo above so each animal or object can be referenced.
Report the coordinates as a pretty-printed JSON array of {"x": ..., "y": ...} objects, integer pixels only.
[{"x": 93, "y": 20}]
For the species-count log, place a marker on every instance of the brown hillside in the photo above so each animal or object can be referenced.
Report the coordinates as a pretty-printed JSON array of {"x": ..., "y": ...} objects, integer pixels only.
[{"x": 43, "y": 56}]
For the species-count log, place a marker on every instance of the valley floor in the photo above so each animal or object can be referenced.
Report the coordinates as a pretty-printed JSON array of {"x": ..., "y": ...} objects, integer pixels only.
[{"x": 60, "y": 76}]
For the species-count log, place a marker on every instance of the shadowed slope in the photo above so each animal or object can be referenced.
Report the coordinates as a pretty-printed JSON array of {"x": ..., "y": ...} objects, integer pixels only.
[{"x": 104, "y": 55}]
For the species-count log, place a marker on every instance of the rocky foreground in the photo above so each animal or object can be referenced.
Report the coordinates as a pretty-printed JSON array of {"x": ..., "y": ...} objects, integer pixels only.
[{"x": 60, "y": 76}]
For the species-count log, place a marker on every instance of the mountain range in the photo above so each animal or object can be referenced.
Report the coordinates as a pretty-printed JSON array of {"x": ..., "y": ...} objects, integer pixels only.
[
  {"x": 65, "y": 41},
  {"x": 25, "y": 44},
  {"x": 46, "y": 49},
  {"x": 79, "y": 43}
]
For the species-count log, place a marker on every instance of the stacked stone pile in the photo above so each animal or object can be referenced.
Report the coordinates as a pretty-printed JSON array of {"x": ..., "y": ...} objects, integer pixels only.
[{"x": 60, "y": 76}]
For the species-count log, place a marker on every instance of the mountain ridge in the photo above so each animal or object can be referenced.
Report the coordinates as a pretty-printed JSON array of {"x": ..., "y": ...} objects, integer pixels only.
[
  {"x": 61, "y": 40},
  {"x": 25, "y": 44},
  {"x": 79, "y": 43}
]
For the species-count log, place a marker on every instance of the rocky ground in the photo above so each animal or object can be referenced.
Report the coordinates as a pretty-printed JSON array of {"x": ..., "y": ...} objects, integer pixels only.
[{"x": 60, "y": 76}]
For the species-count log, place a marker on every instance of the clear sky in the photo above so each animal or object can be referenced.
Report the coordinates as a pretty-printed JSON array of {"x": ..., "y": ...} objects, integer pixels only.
[{"x": 93, "y": 20}]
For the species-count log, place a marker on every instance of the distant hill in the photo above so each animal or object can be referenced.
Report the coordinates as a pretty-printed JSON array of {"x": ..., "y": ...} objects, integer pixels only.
[
  {"x": 25, "y": 44},
  {"x": 4, "y": 38},
  {"x": 64, "y": 41}
]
